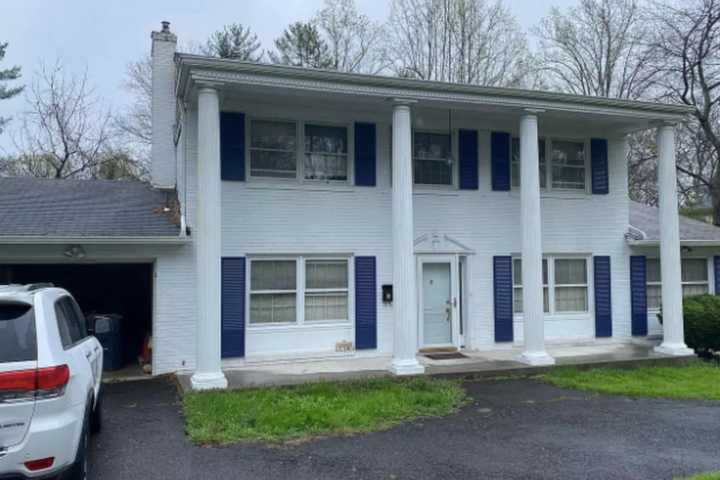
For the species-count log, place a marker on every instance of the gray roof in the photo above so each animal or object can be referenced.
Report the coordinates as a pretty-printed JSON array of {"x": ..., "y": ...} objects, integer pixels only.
[
  {"x": 86, "y": 208},
  {"x": 646, "y": 219}
]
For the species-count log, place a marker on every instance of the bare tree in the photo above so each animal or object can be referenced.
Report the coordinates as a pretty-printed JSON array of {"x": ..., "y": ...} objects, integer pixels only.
[
  {"x": 64, "y": 134},
  {"x": 133, "y": 124},
  {"x": 597, "y": 48},
  {"x": 462, "y": 41},
  {"x": 234, "y": 41},
  {"x": 353, "y": 40},
  {"x": 687, "y": 56}
]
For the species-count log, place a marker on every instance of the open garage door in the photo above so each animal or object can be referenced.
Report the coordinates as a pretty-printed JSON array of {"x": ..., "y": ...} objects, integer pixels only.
[{"x": 125, "y": 289}]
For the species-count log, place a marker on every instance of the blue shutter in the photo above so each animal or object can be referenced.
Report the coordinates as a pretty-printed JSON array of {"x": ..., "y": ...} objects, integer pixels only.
[
  {"x": 365, "y": 154},
  {"x": 365, "y": 303},
  {"x": 716, "y": 269},
  {"x": 232, "y": 146},
  {"x": 603, "y": 303},
  {"x": 468, "y": 156},
  {"x": 503, "y": 298},
  {"x": 638, "y": 295},
  {"x": 233, "y": 307},
  {"x": 599, "y": 165},
  {"x": 500, "y": 160}
]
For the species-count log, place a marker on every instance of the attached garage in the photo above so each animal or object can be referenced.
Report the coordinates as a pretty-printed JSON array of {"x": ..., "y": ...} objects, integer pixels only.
[{"x": 113, "y": 245}]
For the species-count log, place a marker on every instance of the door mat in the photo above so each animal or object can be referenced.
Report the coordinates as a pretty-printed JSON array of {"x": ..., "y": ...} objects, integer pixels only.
[{"x": 445, "y": 356}]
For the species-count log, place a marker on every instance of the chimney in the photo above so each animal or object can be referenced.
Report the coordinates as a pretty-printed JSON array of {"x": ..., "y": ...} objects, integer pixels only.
[{"x": 162, "y": 150}]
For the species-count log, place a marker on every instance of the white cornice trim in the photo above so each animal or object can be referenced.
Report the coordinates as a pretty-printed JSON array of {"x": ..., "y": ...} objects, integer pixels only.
[
  {"x": 194, "y": 68},
  {"x": 40, "y": 239},
  {"x": 684, "y": 243}
]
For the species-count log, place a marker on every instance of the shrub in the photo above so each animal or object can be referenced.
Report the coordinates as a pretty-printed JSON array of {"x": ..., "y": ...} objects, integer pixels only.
[{"x": 702, "y": 323}]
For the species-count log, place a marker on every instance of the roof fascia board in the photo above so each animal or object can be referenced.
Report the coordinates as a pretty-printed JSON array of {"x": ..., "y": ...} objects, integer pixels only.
[{"x": 39, "y": 240}]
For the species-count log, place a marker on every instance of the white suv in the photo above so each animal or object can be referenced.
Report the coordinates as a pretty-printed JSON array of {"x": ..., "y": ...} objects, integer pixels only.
[{"x": 50, "y": 372}]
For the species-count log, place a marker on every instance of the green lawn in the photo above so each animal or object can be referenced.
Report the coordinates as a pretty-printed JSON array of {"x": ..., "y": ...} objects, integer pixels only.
[
  {"x": 280, "y": 414},
  {"x": 696, "y": 380},
  {"x": 705, "y": 476}
]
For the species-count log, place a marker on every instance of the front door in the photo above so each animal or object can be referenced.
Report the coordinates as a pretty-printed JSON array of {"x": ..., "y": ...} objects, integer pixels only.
[{"x": 437, "y": 304}]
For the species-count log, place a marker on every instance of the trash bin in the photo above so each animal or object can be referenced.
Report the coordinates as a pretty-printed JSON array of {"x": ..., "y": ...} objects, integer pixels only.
[{"x": 108, "y": 331}]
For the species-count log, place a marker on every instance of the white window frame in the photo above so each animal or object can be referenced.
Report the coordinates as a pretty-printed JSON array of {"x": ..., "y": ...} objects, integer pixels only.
[
  {"x": 453, "y": 153},
  {"x": 549, "y": 164},
  {"x": 300, "y": 151},
  {"x": 519, "y": 287},
  {"x": 708, "y": 282},
  {"x": 250, "y": 291},
  {"x": 551, "y": 286},
  {"x": 300, "y": 290}
]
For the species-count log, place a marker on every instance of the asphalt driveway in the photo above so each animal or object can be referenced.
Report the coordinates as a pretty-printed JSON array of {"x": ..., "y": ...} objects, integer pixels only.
[{"x": 513, "y": 429}]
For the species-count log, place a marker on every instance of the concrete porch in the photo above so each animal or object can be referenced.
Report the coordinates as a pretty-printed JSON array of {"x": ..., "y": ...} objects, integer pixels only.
[{"x": 476, "y": 364}]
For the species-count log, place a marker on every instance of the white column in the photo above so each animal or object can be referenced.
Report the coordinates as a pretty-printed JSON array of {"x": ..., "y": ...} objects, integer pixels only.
[
  {"x": 533, "y": 318},
  {"x": 208, "y": 373},
  {"x": 673, "y": 329},
  {"x": 404, "y": 277}
]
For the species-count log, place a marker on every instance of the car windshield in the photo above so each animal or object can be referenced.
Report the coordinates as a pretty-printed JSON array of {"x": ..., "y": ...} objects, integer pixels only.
[{"x": 17, "y": 332}]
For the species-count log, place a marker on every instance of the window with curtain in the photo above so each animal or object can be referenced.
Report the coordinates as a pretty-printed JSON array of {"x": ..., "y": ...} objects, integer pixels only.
[
  {"x": 326, "y": 290},
  {"x": 326, "y": 153},
  {"x": 432, "y": 158},
  {"x": 694, "y": 280},
  {"x": 568, "y": 165},
  {"x": 517, "y": 286},
  {"x": 515, "y": 163},
  {"x": 571, "y": 285},
  {"x": 273, "y": 291},
  {"x": 273, "y": 149}
]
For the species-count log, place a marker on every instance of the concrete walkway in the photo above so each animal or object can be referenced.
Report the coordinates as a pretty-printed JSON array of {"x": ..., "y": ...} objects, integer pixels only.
[{"x": 476, "y": 364}]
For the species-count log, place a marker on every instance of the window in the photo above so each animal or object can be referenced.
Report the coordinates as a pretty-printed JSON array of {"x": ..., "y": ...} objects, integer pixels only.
[
  {"x": 568, "y": 165},
  {"x": 694, "y": 278},
  {"x": 71, "y": 322},
  {"x": 515, "y": 163},
  {"x": 571, "y": 285},
  {"x": 273, "y": 291},
  {"x": 326, "y": 153},
  {"x": 326, "y": 290},
  {"x": 517, "y": 286},
  {"x": 432, "y": 158},
  {"x": 278, "y": 293},
  {"x": 273, "y": 149},
  {"x": 18, "y": 342}
]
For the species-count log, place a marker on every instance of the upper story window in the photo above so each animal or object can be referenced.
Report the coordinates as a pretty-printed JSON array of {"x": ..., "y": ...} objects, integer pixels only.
[
  {"x": 694, "y": 279},
  {"x": 568, "y": 165},
  {"x": 515, "y": 163},
  {"x": 326, "y": 153},
  {"x": 432, "y": 158},
  {"x": 273, "y": 148},
  {"x": 567, "y": 169}
]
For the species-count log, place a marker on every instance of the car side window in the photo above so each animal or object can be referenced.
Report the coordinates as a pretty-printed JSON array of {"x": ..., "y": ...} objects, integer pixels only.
[
  {"x": 79, "y": 318},
  {"x": 63, "y": 323}
]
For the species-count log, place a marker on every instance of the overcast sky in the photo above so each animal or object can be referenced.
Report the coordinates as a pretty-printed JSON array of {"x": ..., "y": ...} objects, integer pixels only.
[{"x": 103, "y": 36}]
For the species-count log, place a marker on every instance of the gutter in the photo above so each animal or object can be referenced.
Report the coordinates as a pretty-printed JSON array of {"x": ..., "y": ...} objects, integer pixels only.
[
  {"x": 684, "y": 243},
  {"x": 40, "y": 240}
]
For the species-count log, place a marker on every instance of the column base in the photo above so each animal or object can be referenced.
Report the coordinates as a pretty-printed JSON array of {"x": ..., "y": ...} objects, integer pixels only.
[
  {"x": 674, "y": 349},
  {"x": 409, "y": 366},
  {"x": 536, "y": 359},
  {"x": 208, "y": 381}
]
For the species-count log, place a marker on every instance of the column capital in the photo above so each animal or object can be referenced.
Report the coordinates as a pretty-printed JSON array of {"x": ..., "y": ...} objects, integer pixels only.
[
  {"x": 664, "y": 124},
  {"x": 208, "y": 87},
  {"x": 402, "y": 102},
  {"x": 534, "y": 112}
]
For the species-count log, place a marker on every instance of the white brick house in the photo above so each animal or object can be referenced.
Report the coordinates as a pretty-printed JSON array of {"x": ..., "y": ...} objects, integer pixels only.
[{"x": 307, "y": 196}]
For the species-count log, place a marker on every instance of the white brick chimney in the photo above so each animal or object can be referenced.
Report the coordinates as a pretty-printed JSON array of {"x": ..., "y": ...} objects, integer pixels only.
[{"x": 163, "y": 107}]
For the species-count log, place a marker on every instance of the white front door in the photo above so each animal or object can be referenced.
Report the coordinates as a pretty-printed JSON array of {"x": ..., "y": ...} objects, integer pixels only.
[{"x": 437, "y": 303}]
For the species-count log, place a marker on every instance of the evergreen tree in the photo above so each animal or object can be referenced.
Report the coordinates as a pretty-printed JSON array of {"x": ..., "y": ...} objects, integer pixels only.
[
  {"x": 7, "y": 75},
  {"x": 302, "y": 46},
  {"x": 234, "y": 41}
]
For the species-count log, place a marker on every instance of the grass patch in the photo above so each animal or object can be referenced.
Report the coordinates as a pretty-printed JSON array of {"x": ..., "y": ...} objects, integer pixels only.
[
  {"x": 705, "y": 476},
  {"x": 694, "y": 381},
  {"x": 290, "y": 413}
]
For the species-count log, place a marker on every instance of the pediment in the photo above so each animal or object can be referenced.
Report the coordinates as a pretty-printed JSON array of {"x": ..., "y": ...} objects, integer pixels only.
[{"x": 437, "y": 242}]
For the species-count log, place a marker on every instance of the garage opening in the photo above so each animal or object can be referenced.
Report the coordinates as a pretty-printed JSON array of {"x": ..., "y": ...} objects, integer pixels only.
[{"x": 123, "y": 289}]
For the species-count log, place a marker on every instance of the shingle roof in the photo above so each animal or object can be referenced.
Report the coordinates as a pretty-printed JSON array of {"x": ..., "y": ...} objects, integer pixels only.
[
  {"x": 85, "y": 208},
  {"x": 646, "y": 219}
]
